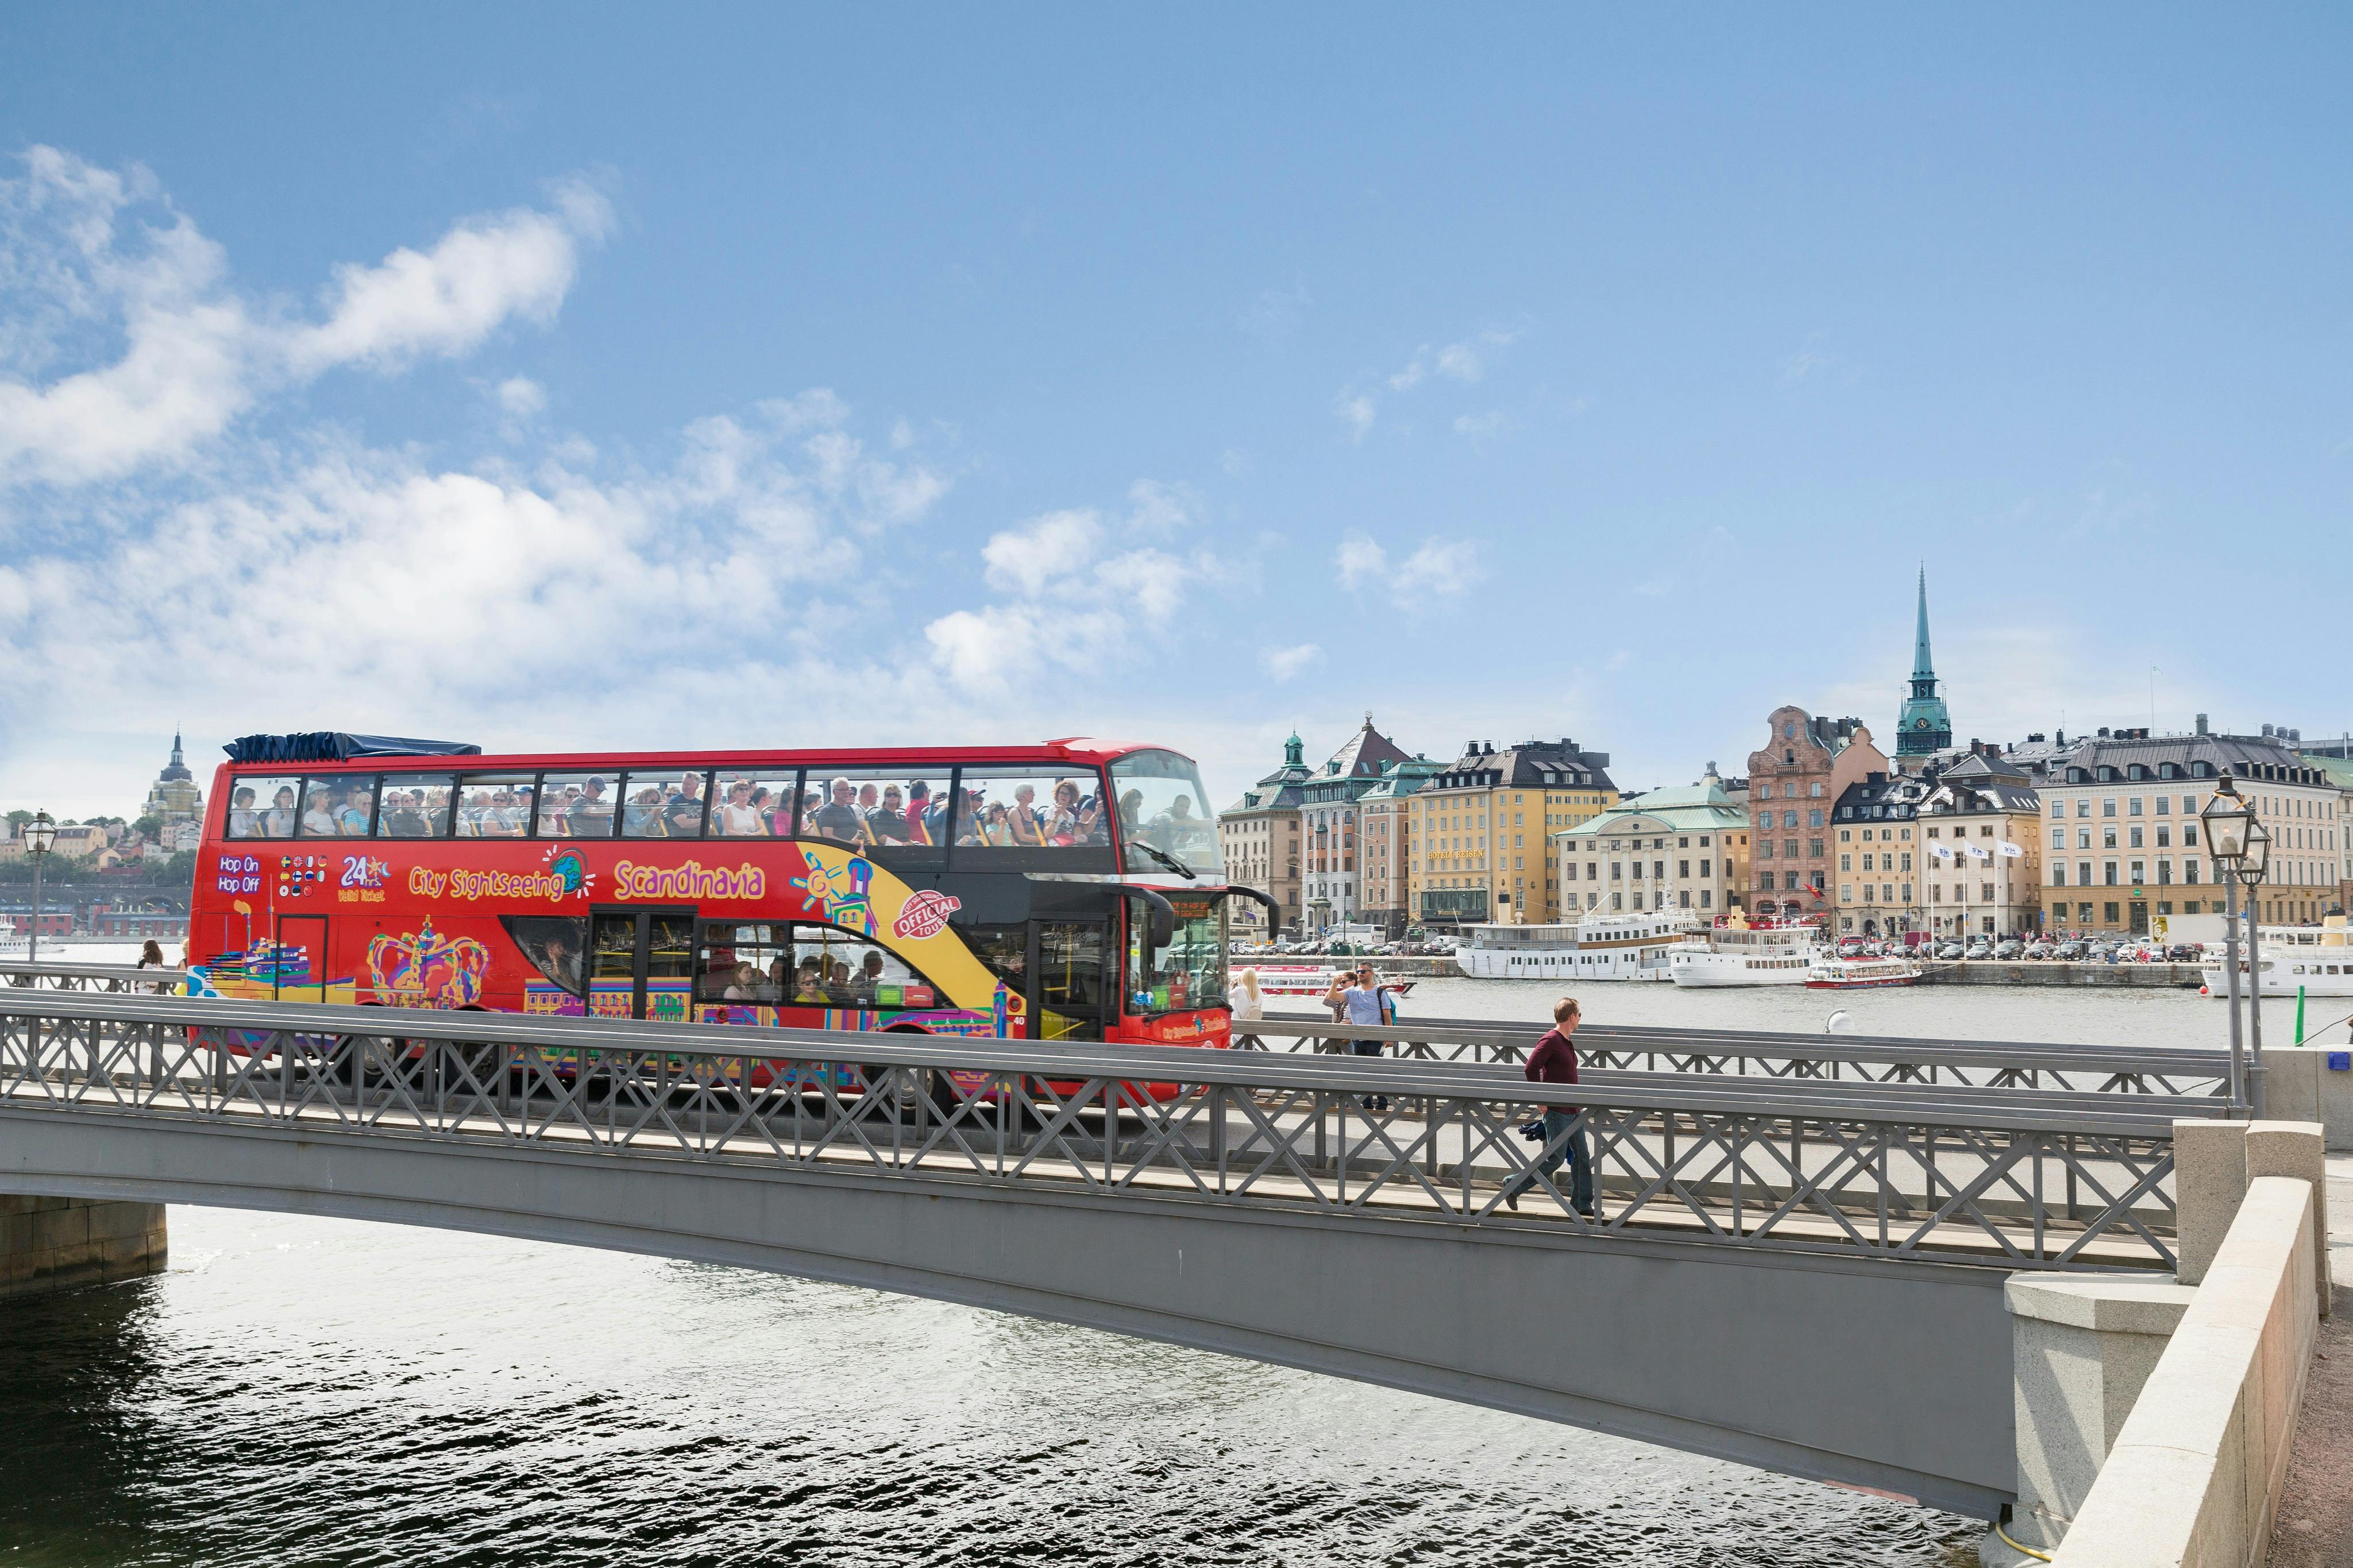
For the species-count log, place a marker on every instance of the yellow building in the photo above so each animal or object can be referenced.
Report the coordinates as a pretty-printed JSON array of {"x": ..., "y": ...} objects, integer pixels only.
[{"x": 1481, "y": 832}]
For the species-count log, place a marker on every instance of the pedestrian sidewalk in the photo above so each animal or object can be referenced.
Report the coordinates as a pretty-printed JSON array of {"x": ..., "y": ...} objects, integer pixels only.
[{"x": 2316, "y": 1514}]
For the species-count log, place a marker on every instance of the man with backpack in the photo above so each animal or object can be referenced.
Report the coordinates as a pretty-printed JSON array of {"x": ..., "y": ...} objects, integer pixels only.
[
  {"x": 1554, "y": 1061},
  {"x": 1362, "y": 1003}
]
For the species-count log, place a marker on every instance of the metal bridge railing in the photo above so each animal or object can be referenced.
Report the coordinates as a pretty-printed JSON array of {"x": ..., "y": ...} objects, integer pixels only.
[
  {"x": 2012, "y": 1178},
  {"x": 101, "y": 977},
  {"x": 1872, "y": 1058}
]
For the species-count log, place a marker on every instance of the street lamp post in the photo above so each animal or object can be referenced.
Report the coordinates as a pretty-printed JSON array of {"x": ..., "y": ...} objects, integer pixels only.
[
  {"x": 2239, "y": 845},
  {"x": 40, "y": 838}
]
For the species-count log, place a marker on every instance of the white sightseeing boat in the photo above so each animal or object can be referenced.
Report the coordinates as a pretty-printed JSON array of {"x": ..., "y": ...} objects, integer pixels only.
[
  {"x": 1770, "y": 952},
  {"x": 1598, "y": 947},
  {"x": 1310, "y": 979},
  {"x": 1861, "y": 973},
  {"x": 2314, "y": 960}
]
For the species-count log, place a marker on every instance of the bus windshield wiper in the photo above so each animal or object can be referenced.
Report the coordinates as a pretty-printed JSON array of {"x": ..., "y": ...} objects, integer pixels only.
[{"x": 1166, "y": 858}]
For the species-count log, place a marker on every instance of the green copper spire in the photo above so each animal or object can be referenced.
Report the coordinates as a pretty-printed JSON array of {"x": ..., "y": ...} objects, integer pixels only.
[{"x": 1923, "y": 727}]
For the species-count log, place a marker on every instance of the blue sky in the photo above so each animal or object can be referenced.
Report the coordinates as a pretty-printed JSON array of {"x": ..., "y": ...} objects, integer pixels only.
[{"x": 550, "y": 378}]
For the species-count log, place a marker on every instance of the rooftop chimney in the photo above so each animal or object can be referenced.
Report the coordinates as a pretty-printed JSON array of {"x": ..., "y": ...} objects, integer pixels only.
[
  {"x": 2267, "y": 732},
  {"x": 2103, "y": 731},
  {"x": 2201, "y": 724}
]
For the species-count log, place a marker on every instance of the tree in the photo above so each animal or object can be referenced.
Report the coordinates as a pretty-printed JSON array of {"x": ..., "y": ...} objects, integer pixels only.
[
  {"x": 148, "y": 827},
  {"x": 16, "y": 819}
]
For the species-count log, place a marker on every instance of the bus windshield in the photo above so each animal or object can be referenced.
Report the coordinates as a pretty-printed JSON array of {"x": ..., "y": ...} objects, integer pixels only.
[
  {"x": 1162, "y": 805},
  {"x": 1190, "y": 970}
]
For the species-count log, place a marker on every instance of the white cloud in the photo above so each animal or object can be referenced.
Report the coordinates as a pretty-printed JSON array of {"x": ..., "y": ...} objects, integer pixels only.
[
  {"x": 83, "y": 248},
  {"x": 480, "y": 275},
  {"x": 1282, "y": 663},
  {"x": 1023, "y": 559},
  {"x": 520, "y": 397},
  {"x": 1493, "y": 422},
  {"x": 1441, "y": 568},
  {"x": 1156, "y": 511},
  {"x": 1359, "y": 558},
  {"x": 1465, "y": 361}
]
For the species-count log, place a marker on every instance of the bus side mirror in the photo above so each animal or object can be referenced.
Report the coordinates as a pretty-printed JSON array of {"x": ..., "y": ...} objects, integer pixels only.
[{"x": 1164, "y": 928}]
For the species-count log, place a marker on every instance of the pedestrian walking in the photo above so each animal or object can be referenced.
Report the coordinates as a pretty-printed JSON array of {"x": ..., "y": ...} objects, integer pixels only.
[
  {"x": 1360, "y": 1004},
  {"x": 1554, "y": 1061}
]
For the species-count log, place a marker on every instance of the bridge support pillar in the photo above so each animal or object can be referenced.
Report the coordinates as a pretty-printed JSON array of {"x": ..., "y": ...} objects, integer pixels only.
[
  {"x": 2081, "y": 1347},
  {"x": 62, "y": 1244}
]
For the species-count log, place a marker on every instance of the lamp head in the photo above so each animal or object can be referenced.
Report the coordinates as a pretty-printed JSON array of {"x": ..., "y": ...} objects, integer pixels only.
[
  {"x": 40, "y": 834},
  {"x": 2259, "y": 852},
  {"x": 2226, "y": 818}
]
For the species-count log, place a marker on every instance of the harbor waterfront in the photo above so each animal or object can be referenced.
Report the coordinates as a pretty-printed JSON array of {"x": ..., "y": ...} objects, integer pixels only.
[{"x": 542, "y": 1396}]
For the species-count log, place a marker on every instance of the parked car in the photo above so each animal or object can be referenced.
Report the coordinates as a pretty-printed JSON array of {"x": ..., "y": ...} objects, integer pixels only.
[
  {"x": 1951, "y": 949},
  {"x": 2009, "y": 948},
  {"x": 1978, "y": 951},
  {"x": 2038, "y": 951},
  {"x": 2184, "y": 953},
  {"x": 2070, "y": 951}
]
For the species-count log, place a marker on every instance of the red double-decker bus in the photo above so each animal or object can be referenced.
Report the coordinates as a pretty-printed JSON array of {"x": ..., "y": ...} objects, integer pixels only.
[{"x": 1071, "y": 891}]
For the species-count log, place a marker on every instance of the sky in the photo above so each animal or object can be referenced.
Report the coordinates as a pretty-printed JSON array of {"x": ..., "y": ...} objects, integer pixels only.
[{"x": 594, "y": 377}]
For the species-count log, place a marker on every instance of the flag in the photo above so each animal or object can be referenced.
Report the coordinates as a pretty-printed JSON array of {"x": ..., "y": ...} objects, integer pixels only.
[{"x": 2007, "y": 850}]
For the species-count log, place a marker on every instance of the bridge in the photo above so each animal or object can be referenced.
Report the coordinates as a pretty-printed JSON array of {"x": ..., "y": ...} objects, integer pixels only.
[{"x": 1793, "y": 1270}]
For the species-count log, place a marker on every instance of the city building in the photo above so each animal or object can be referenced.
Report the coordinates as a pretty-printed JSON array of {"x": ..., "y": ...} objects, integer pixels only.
[
  {"x": 1664, "y": 849},
  {"x": 1385, "y": 837},
  {"x": 1327, "y": 825},
  {"x": 2120, "y": 819},
  {"x": 1473, "y": 824},
  {"x": 1259, "y": 835},
  {"x": 1794, "y": 783},
  {"x": 1878, "y": 846},
  {"x": 2334, "y": 760},
  {"x": 1981, "y": 848},
  {"x": 1923, "y": 728},
  {"x": 174, "y": 798}
]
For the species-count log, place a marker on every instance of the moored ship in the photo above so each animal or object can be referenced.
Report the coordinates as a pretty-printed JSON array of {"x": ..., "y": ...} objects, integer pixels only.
[
  {"x": 1770, "y": 952},
  {"x": 1598, "y": 947}
]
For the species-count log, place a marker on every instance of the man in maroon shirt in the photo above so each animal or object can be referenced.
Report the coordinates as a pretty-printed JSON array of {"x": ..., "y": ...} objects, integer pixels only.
[{"x": 1554, "y": 1061}]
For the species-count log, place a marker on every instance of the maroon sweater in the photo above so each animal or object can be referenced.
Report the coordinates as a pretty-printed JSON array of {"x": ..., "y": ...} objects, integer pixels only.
[{"x": 1553, "y": 1061}]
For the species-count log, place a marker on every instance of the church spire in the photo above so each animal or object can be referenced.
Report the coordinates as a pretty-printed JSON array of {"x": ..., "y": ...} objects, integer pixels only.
[
  {"x": 1922, "y": 667},
  {"x": 1924, "y": 728}
]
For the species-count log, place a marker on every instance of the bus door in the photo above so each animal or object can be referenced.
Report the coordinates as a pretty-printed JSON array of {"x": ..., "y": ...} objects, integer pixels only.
[
  {"x": 1068, "y": 999},
  {"x": 642, "y": 963},
  {"x": 299, "y": 967}
]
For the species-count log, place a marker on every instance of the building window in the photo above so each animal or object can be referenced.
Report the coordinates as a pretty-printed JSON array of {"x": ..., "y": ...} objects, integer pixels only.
[{"x": 2109, "y": 874}]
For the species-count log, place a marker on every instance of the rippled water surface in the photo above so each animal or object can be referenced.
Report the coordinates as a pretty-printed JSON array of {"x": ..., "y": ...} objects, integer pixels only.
[{"x": 297, "y": 1391}]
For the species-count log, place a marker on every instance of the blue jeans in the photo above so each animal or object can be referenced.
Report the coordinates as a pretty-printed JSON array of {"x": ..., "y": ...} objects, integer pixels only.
[{"x": 1560, "y": 1143}]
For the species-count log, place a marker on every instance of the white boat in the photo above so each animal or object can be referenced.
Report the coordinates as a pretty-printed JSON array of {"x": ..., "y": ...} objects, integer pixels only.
[
  {"x": 2314, "y": 960},
  {"x": 1308, "y": 979},
  {"x": 1861, "y": 973},
  {"x": 1737, "y": 953},
  {"x": 1598, "y": 947}
]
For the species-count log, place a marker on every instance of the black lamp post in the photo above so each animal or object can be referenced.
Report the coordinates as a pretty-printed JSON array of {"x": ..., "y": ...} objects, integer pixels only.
[
  {"x": 40, "y": 838},
  {"x": 2237, "y": 841}
]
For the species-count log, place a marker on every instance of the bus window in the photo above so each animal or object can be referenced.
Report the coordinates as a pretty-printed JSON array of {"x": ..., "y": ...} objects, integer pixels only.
[
  {"x": 1189, "y": 972},
  {"x": 1161, "y": 804},
  {"x": 553, "y": 943},
  {"x": 494, "y": 805},
  {"x": 338, "y": 807},
  {"x": 752, "y": 806},
  {"x": 263, "y": 807},
  {"x": 576, "y": 805},
  {"x": 663, "y": 804},
  {"x": 741, "y": 962},
  {"x": 1031, "y": 808},
  {"x": 416, "y": 805},
  {"x": 832, "y": 968},
  {"x": 874, "y": 809}
]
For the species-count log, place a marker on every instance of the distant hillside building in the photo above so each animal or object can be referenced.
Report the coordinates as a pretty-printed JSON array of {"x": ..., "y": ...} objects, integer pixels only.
[
  {"x": 174, "y": 798},
  {"x": 1481, "y": 830},
  {"x": 1794, "y": 783}
]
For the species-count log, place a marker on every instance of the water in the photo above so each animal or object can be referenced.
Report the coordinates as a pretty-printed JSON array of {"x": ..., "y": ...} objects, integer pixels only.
[{"x": 297, "y": 1391}]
